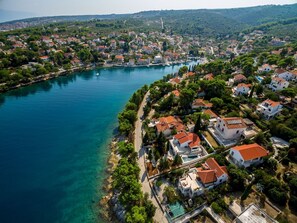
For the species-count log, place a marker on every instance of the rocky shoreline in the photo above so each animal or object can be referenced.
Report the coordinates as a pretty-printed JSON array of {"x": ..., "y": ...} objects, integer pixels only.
[{"x": 107, "y": 211}]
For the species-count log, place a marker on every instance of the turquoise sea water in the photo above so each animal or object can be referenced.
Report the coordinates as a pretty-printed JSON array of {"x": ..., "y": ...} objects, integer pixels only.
[{"x": 54, "y": 143}]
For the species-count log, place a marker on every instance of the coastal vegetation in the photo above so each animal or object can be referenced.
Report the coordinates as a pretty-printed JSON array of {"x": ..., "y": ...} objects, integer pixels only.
[
  {"x": 128, "y": 116},
  {"x": 126, "y": 185}
]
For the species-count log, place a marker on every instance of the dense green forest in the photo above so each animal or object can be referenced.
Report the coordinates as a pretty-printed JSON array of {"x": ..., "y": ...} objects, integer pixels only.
[{"x": 202, "y": 22}]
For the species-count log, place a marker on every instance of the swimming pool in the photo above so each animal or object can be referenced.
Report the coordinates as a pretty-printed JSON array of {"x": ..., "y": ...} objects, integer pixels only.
[
  {"x": 176, "y": 210},
  {"x": 188, "y": 158},
  {"x": 260, "y": 79}
]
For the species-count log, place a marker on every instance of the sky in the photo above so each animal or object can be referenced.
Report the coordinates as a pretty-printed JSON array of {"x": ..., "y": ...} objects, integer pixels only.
[{"x": 80, "y": 7}]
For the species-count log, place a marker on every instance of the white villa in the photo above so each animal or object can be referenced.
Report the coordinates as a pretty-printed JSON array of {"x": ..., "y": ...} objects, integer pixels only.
[
  {"x": 286, "y": 75},
  {"x": 242, "y": 89},
  {"x": 211, "y": 173},
  {"x": 278, "y": 84},
  {"x": 247, "y": 155},
  {"x": 265, "y": 68},
  {"x": 167, "y": 124},
  {"x": 230, "y": 128},
  {"x": 158, "y": 59},
  {"x": 269, "y": 108},
  {"x": 197, "y": 180},
  {"x": 186, "y": 143},
  {"x": 189, "y": 184}
]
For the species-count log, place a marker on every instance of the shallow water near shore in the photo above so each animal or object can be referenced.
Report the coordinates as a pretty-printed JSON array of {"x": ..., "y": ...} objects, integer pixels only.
[{"x": 54, "y": 140}]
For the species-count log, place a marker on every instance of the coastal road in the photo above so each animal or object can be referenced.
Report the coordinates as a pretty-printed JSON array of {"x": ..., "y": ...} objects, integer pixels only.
[{"x": 159, "y": 216}]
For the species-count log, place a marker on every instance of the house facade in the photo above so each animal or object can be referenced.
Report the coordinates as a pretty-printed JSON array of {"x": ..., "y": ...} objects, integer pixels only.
[
  {"x": 211, "y": 173},
  {"x": 197, "y": 180},
  {"x": 167, "y": 124},
  {"x": 186, "y": 143},
  {"x": 230, "y": 128},
  {"x": 286, "y": 75},
  {"x": 278, "y": 84},
  {"x": 247, "y": 155},
  {"x": 269, "y": 109},
  {"x": 189, "y": 185},
  {"x": 265, "y": 68},
  {"x": 242, "y": 89}
]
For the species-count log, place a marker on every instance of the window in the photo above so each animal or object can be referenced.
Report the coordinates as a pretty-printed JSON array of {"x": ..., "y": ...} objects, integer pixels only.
[
  {"x": 220, "y": 180},
  {"x": 237, "y": 131},
  {"x": 232, "y": 153}
]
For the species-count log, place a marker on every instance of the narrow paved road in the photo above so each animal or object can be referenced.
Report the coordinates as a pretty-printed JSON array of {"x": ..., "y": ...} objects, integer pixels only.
[{"x": 159, "y": 216}]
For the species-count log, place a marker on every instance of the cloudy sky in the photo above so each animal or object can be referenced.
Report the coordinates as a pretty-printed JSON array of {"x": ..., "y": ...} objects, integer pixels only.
[{"x": 72, "y": 7}]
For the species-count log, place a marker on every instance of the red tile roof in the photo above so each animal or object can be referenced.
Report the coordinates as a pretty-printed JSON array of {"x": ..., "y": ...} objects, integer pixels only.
[
  {"x": 210, "y": 113},
  {"x": 176, "y": 93},
  {"x": 234, "y": 123},
  {"x": 175, "y": 80},
  {"x": 278, "y": 79},
  {"x": 271, "y": 103},
  {"x": 190, "y": 74},
  {"x": 251, "y": 151},
  {"x": 239, "y": 77},
  {"x": 208, "y": 76},
  {"x": 206, "y": 176},
  {"x": 210, "y": 171},
  {"x": 244, "y": 85},
  {"x": 192, "y": 138},
  {"x": 168, "y": 122},
  {"x": 201, "y": 103},
  {"x": 280, "y": 71}
]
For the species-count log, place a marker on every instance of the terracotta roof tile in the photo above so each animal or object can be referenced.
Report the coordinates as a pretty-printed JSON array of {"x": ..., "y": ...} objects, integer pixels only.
[
  {"x": 239, "y": 77},
  {"x": 271, "y": 103},
  {"x": 201, "y": 103},
  {"x": 251, "y": 151},
  {"x": 176, "y": 93},
  {"x": 211, "y": 171},
  {"x": 210, "y": 113},
  {"x": 234, "y": 123}
]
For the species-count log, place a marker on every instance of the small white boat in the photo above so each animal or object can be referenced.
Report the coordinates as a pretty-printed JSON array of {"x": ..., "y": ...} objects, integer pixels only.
[{"x": 97, "y": 74}]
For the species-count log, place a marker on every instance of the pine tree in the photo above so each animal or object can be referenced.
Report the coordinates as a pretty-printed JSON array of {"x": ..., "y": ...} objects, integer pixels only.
[
  {"x": 252, "y": 92},
  {"x": 198, "y": 124}
]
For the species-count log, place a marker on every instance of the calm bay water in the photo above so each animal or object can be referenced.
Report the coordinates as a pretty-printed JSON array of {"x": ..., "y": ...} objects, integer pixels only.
[{"x": 54, "y": 143}]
